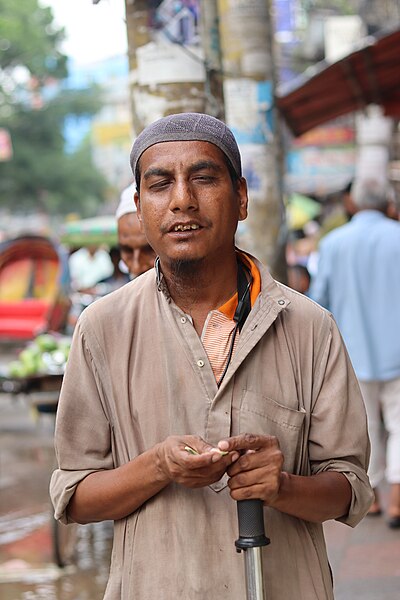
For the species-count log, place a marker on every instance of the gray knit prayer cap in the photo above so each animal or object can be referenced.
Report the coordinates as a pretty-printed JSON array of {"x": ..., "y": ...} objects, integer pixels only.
[{"x": 188, "y": 127}]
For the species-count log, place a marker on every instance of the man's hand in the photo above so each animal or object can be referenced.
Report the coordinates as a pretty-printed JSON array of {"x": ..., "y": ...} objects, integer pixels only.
[
  {"x": 258, "y": 471},
  {"x": 192, "y": 470}
]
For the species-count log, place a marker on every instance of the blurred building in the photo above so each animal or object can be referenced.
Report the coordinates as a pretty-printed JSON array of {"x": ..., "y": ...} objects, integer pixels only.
[
  {"x": 110, "y": 130},
  {"x": 324, "y": 160}
]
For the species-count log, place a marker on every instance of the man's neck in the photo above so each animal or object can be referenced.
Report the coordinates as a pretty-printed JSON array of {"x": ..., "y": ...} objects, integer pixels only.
[{"x": 198, "y": 287}]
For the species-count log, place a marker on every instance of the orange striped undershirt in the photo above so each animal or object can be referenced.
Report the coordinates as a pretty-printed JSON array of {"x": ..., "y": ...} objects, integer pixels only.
[{"x": 219, "y": 326}]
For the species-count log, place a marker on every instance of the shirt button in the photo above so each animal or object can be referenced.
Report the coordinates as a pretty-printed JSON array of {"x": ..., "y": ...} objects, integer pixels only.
[
  {"x": 281, "y": 302},
  {"x": 183, "y": 320},
  {"x": 200, "y": 363}
]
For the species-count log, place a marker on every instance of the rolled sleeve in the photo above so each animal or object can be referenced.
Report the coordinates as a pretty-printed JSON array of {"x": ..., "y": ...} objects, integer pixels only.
[
  {"x": 338, "y": 439},
  {"x": 83, "y": 434}
]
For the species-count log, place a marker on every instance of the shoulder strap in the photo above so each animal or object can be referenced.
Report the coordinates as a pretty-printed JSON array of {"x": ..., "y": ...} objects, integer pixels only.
[{"x": 243, "y": 287}]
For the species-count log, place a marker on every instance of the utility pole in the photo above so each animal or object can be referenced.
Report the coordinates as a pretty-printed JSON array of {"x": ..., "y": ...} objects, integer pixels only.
[
  {"x": 216, "y": 56},
  {"x": 174, "y": 59},
  {"x": 247, "y": 43},
  {"x": 209, "y": 29}
]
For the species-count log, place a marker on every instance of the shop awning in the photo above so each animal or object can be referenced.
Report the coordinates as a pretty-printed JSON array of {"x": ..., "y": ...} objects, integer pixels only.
[
  {"x": 94, "y": 231},
  {"x": 368, "y": 75}
]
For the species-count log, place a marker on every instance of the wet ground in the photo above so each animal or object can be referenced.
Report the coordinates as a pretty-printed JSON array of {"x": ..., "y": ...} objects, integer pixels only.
[
  {"x": 27, "y": 555},
  {"x": 365, "y": 560}
]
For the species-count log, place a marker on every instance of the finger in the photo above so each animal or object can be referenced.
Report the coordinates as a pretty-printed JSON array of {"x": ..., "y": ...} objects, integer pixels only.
[
  {"x": 247, "y": 493},
  {"x": 195, "y": 461},
  {"x": 207, "y": 459},
  {"x": 266, "y": 458},
  {"x": 247, "y": 441},
  {"x": 250, "y": 478},
  {"x": 229, "y": 457},
  {"x": 201, "y": 447},
  {"x": 197, "y": 445},
  {"x": 245, "y": 463},
  {"x": 266, "y": 489}
]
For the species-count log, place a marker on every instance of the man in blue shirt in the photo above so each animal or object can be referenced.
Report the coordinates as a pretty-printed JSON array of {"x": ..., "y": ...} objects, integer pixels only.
[{"x": 358, "y": 280}]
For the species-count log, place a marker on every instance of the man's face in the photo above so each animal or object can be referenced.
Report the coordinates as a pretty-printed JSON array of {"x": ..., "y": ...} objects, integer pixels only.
[
  {"x": 136, "y": 252},
  {"x": 189, "y": 207}
]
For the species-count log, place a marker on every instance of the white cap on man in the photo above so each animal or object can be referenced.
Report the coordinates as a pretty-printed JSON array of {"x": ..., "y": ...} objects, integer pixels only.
[{"x": 126, "y": 204}]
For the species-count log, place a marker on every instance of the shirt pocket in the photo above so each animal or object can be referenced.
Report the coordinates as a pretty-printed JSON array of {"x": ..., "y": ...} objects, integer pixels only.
[{"x": 263, "y": 416}]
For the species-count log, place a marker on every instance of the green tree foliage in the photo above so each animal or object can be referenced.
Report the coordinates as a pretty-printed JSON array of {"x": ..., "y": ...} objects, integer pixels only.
[
  {"x": 41, "y": 175},
  {"x": 28, "y": 38}
]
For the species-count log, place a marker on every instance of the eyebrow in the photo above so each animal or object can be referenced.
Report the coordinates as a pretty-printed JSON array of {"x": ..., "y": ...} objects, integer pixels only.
[
  {"x": 205, "y": 164},
  {"x": 155, "y": 171},
  {"x": 195, "y": 168}
]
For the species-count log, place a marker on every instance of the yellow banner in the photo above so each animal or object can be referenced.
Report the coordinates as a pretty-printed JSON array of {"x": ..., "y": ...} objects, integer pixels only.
[{"x": 112, "y": 133}]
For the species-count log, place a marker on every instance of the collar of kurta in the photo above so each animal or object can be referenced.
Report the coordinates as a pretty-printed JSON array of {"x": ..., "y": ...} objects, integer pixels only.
[{"x": 229, "y": 307}]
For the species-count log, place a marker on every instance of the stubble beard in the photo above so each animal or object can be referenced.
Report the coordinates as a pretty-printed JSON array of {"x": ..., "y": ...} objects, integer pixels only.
[{"x": 186, "y": 272}]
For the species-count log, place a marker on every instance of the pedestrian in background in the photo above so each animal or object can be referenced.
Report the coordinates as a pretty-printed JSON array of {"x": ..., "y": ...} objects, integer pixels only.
[
  {"x": 298, "y": 278},
  {"x": 87, "y": 266},
  {"x": 119, "y": 277},
  {"x": 136, "y": 252},
  {"x": 358, "y": 280},
  {"x": 203, "y": 382}
]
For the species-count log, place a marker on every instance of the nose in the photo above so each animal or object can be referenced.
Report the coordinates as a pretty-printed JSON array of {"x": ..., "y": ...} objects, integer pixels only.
[{"x": 182, "y": 197}]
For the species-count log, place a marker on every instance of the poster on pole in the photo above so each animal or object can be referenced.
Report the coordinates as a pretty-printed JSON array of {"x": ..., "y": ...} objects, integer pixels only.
[
  {"x": 174, "y": 54},
  {"x": 243, "y": 39},
  {"x": 248, "y": 110}
]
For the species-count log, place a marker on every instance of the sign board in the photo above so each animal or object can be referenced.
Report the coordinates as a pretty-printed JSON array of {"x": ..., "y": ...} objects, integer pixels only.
[
  {"x": 320, "y": 170},
  {"x": 341, "y": 34},
  {"x": 248, "y": 110},
  {"x": 323, "y": 160},
  {"x": 162, "y": 62}
]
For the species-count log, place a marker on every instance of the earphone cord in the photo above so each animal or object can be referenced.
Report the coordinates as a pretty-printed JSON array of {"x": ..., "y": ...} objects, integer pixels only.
[{"x": 239, "y": 323}]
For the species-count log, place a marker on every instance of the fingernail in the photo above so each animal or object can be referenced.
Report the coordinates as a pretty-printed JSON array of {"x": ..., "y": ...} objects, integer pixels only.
[
  {"x": 216, "y": 457},
  {"x": 221, "y": 452},
  {"x": 223, "y": 445},
  {"x": 235, "y": 456}
]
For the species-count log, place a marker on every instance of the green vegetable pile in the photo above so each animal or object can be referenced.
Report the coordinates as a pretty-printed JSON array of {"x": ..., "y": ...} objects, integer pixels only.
[{"x": 46, "y": 354}]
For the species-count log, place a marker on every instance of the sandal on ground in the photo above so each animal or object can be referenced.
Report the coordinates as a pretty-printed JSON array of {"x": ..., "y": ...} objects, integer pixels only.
[
  {"x": 374, "y": 510},
  {"x": 394, "y": 522}
]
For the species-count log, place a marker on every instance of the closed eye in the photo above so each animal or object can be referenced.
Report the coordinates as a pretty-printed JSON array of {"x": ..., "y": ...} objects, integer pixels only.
[
  {"x": 204, "y": 178},
  {"x": 159, "y": 184}
]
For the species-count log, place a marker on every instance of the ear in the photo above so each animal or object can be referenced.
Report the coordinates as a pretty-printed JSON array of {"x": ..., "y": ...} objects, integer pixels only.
[
  {"x": 243, "y": 198},
  {"x": 136, "y": 198}
]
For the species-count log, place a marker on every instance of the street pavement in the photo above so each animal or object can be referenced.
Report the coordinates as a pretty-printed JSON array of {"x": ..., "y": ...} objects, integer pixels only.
[{"x": 365, "y": 560}]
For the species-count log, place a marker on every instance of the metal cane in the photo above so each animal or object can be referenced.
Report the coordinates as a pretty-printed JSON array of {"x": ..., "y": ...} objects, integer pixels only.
[{"x": 251, "y": 539}]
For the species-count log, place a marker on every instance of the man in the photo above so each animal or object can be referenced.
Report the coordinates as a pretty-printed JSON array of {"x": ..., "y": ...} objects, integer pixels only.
[
  {"x": 298, "y": 278},
  {"x": 119, "y": 277},
  {"x": 87, "y": 266},
  {"x": 268, "y": 403},
  {"x": 358, "y": 279},
  {"x": 135, "y": 250}
]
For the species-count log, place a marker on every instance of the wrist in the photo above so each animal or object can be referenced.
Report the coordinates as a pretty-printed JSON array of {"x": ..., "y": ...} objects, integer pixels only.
[
  {"x": 284, "y": 483},
  {"x": 159, "y": 462}
]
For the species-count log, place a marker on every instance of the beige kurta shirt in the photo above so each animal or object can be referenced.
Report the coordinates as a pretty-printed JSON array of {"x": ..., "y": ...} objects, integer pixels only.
[{"x": 138, "y": 373}]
